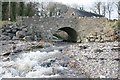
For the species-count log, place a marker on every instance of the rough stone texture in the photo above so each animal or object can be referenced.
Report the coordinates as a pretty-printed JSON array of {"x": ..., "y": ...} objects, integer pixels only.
[
  {"x": 4, "y": 37},
  {"x": 18, "y": 32},
  {"x": 87, "y": 29},
  {"x": 81, "y": 25},
  {"x": 94, "y": 60},
  {"x": 97, "y": 60}
]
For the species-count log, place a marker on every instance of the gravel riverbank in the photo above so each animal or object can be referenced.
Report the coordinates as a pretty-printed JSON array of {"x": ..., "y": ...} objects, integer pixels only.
[{"x": 81, "y": 60}]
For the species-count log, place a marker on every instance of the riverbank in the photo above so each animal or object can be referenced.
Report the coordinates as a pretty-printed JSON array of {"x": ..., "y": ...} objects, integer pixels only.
[{"x": 83, "y": 60}]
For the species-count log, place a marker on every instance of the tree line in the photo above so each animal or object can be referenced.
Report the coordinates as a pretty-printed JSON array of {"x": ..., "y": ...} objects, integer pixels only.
[
  {"x": 11, "y": 10},
  {"x": 104, "y": 8}
]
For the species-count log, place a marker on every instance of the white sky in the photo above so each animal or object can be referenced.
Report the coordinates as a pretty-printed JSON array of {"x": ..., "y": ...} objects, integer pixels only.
[{"x": 87, "y": 4}]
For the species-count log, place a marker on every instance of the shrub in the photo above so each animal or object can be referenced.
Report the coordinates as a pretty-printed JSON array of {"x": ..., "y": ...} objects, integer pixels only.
[{"x": 118, "y": 25}]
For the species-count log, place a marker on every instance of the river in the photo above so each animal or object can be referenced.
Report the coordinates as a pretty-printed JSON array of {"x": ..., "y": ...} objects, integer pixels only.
[
  {"x": 38, "y": 63},
  {"x": 78, "y": 60}
]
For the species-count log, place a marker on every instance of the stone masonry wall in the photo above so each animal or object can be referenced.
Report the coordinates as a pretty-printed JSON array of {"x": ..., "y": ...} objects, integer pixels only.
[
  {"x": 83, "y": 26},
  {"x": 90, "y": 25}
]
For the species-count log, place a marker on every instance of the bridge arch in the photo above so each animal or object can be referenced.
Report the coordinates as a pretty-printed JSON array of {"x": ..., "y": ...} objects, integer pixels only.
[{"x": 72, "y": 33}]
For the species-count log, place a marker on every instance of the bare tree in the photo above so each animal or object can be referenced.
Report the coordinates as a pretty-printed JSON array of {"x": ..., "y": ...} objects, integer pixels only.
[
  {"x": 74, "y": 6},
  {"x": 97, "y": 7},
  {"x": 0, "y": 10},
  {"x": 103, "y": 9},
  {"x": 51, "y": 7},
  {"x": 109, "y": 8},
  {"x": 118, "y": 9},
  {"x": 81, "y": 7},
  {"x": 56, "y": 9}
]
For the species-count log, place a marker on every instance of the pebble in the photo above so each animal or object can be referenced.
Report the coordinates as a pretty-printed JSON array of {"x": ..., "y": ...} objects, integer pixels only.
[
  {"x": 94, "y": 60},
  {"x": 97, "y": 59}
]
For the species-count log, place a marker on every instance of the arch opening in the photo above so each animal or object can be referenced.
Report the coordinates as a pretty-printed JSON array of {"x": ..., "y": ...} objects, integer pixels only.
[{"x": 68, "y": 34}]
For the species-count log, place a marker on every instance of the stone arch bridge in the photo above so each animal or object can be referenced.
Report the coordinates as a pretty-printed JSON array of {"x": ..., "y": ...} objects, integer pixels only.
[{"x": 76, "y": 27}]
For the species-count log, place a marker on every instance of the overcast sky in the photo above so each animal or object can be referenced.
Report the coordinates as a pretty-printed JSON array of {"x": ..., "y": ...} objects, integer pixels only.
[{"x": 87, "y": 4}]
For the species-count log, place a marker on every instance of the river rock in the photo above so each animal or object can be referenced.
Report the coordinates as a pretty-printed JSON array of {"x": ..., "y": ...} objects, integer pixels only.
[
  {"x": 46, "y": 64},
  {"x": 4, "y": 37},
  {"x": 0, "y": 31},
  {"x": 11, "y": 35},
  {"x": 38, "y": 35},
  {"x": 5, "y": 33},
  {"x": 14, "y": 30},
  {"x": 107, "y": 39},
  {"x": 24, "y": 29},
  {"x": 92, "y": 39},
  {"x": 3, "y": 30},
  {"x": 8, "y": 30},
  {"x": 98, "y": 39},
  {"x": 98, "y": 50},
  {"x": 15, "y": 38},
  {"x": 20, "y": 34},
  {"x": 28, "y": 38},
  {"x": 115, "y": 37}
]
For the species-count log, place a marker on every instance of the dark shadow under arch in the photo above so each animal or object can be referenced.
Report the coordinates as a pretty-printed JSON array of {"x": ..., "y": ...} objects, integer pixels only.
[{"x": 71, "y": 32}]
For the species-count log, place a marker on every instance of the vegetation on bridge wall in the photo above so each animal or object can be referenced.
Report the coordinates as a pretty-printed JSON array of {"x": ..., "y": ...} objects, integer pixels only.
[
  {"x": 115, "y": 24},
  {"x": 118, "y": 25}
]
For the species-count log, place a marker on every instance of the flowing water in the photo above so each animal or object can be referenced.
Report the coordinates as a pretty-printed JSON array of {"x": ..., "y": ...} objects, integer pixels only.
[{"x": 38, "y": 63}]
